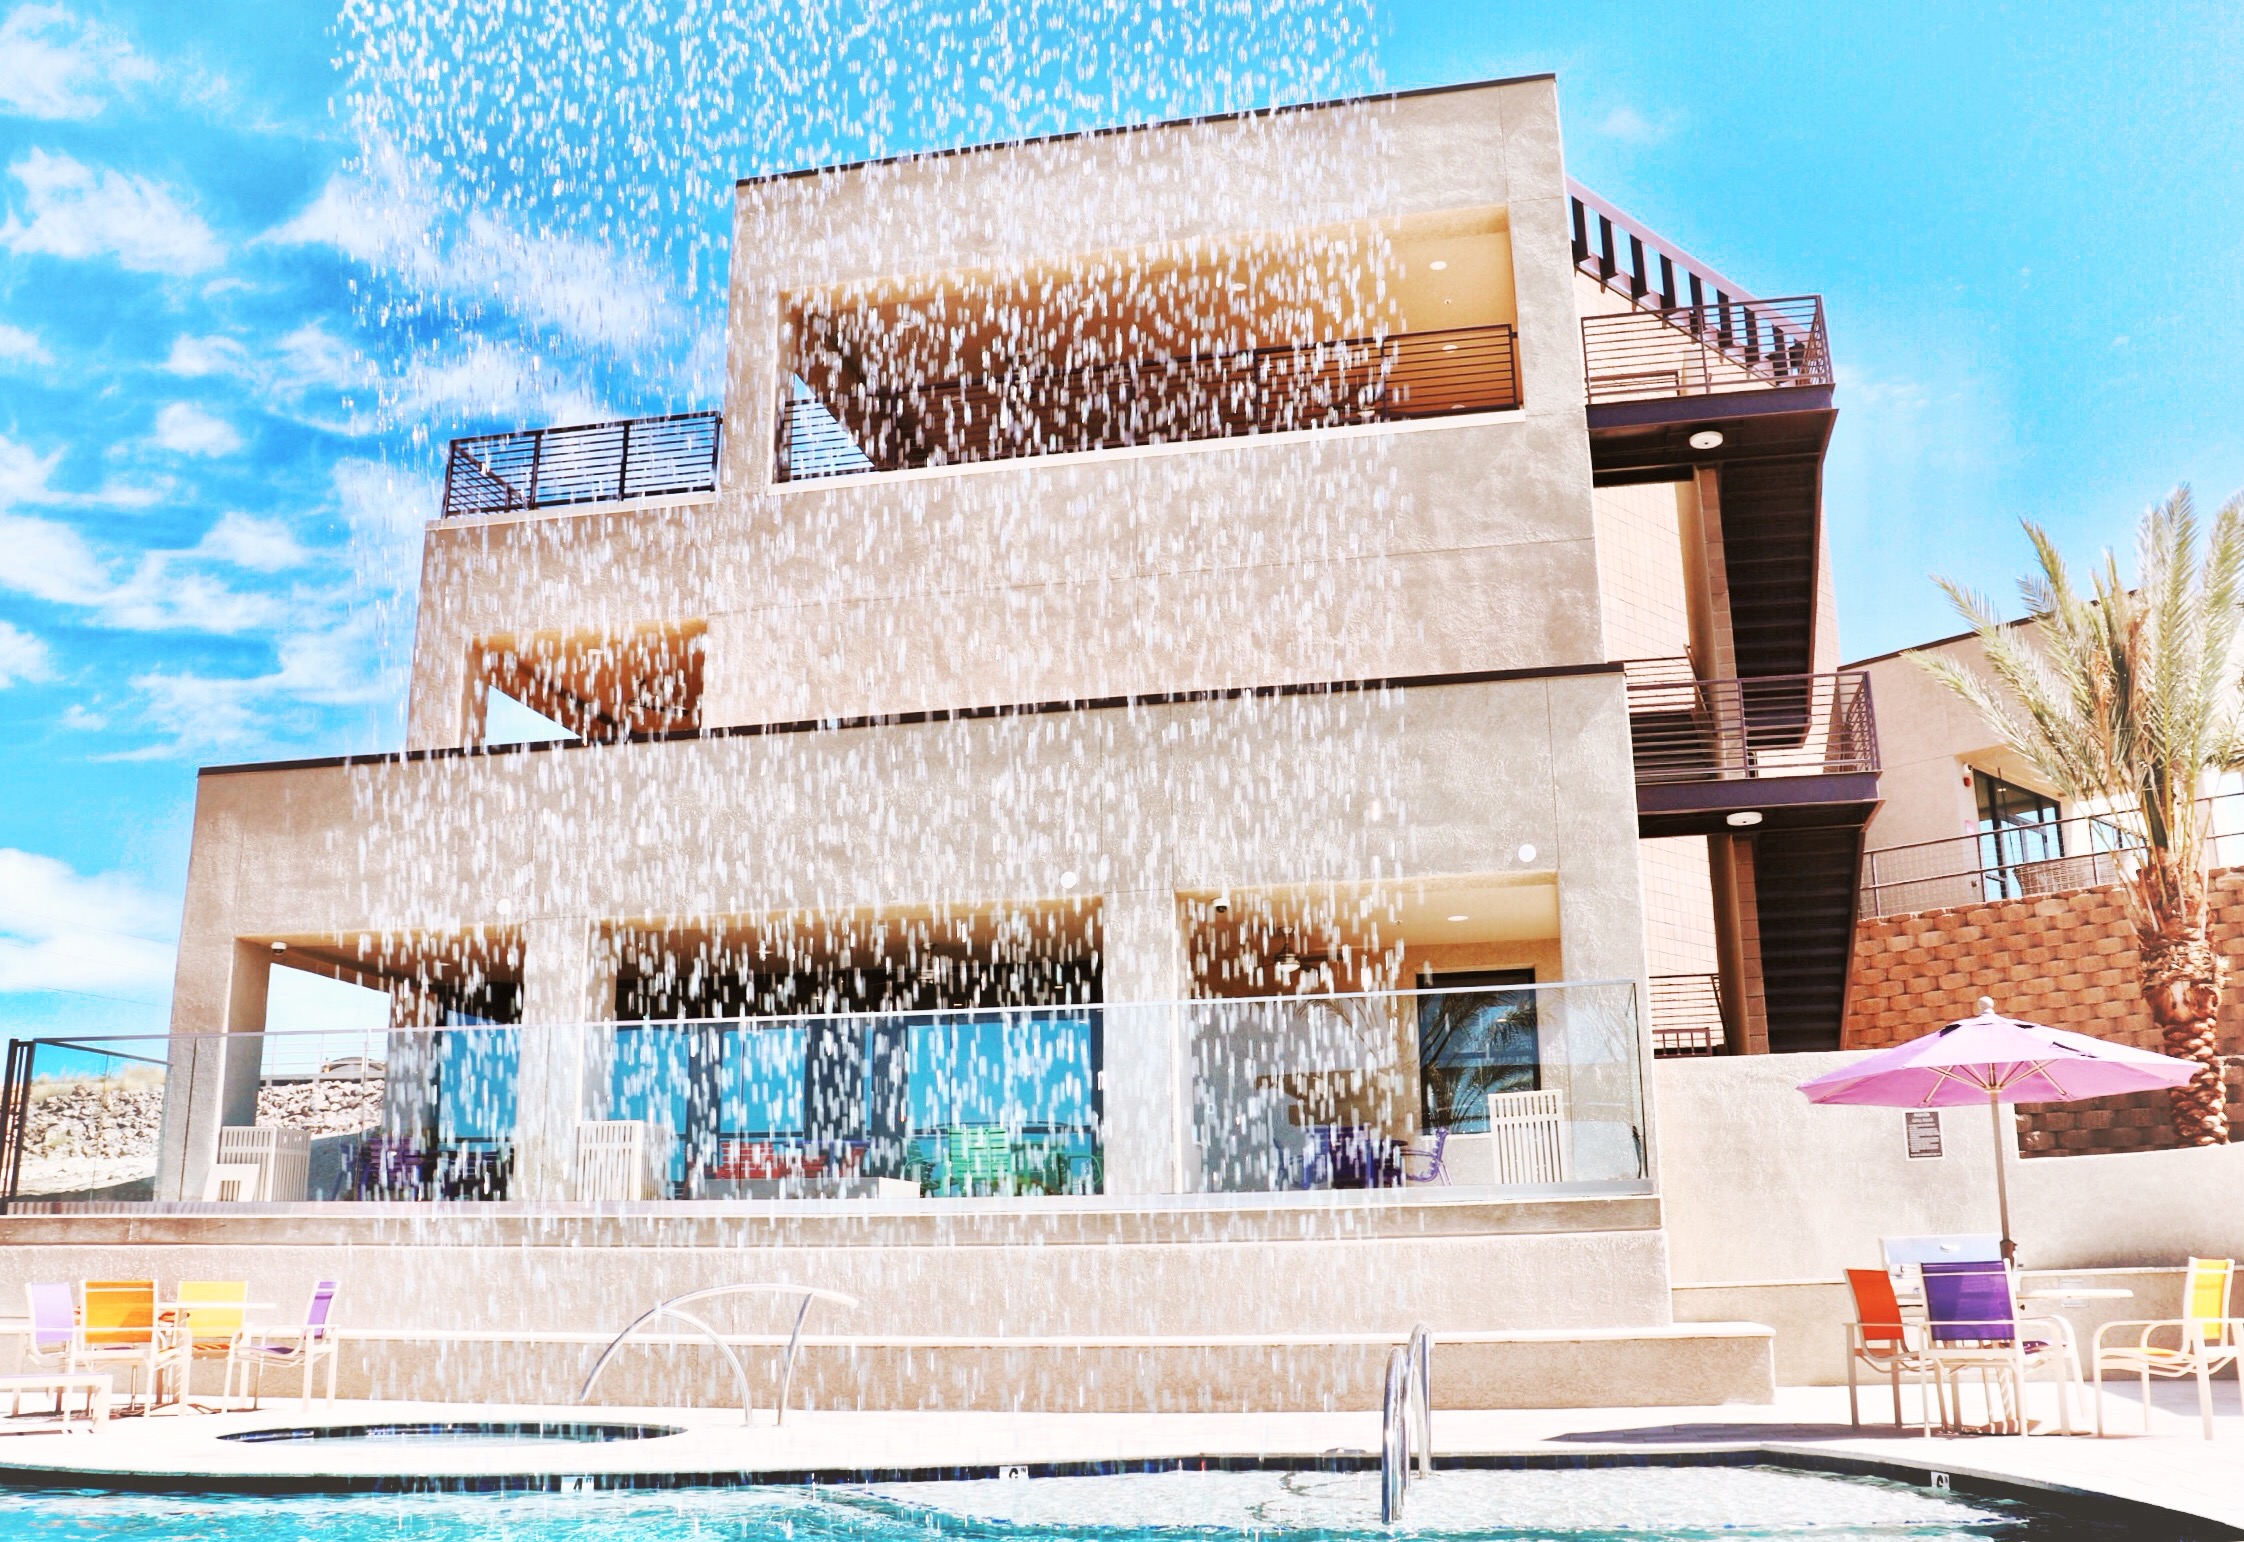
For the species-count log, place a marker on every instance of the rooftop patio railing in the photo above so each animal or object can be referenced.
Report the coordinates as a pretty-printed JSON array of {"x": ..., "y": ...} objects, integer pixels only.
[
  {"x": 544, "y": 468},
  {"x": 1690, "y": 730},
  {"x": 1706, "y": 349},
  {"x": 1052, "y": 411},
  {"x": 2020, "y": 860}
]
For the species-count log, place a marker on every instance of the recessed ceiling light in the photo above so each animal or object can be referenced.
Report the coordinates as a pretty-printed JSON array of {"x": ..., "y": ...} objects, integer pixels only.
[
  {"x": 1526, "y": 853},
  {"x": 1449, "y": 348},
  {"x": 1460, "y": 918},
  {"x": 1438, "y": 264},
  {"x": 1745, "y": 819},
  {"x": 1707, "y": 439},
  {"x": 280, "y": 947},
  {"x": 1067, "y": 879}
]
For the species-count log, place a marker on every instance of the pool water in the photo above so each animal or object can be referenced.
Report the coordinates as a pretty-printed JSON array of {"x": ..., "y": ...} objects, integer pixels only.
[{"x": 1572, "y": 1505}]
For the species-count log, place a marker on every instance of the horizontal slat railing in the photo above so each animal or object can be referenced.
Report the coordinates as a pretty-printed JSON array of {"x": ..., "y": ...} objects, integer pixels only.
[
  {"x": 588, "y": 463},
  {"x": 1032, "y": 412},
  {"x": 1689, "y": 730},
  {"x": 1711, "y": 349},
  {"x": 1686, "y": 1013},
  {"x": 2019, "y": 861}
]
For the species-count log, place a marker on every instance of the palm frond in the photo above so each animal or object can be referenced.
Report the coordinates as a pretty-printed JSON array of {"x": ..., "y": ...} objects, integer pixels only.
[{"x": 2126, "y": 695}]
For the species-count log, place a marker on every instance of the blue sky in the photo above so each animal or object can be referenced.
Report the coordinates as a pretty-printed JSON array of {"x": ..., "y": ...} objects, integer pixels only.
[{"x": 257, "y": 260}]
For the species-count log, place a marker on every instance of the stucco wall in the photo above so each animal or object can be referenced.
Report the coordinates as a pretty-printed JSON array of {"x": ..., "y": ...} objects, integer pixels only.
[
  {"x": 1340, "y": 554},
  {"x": 1761, "y": 1185},
  {"x": 1505, "y": 780}
]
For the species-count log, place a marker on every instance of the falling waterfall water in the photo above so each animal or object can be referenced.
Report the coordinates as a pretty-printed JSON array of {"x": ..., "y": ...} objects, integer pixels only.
[{"x": 544, "y": 195}]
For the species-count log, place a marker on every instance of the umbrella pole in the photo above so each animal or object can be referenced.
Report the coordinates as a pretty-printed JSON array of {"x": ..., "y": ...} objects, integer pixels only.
[{"x": 2002, "y": 1177}]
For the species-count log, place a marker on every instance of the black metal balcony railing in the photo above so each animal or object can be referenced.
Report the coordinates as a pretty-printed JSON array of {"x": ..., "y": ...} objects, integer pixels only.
[
  {"x": 1687, "y": 730},
  {"x": 2020, "y": 860},
  {"x": 1712, "y": 349},
  {"x": 590, "y": 463},
  {"x": 1647, "y": 269},
  {"x": 1686, "y": 1015},
  {"x": 1050, "y": 411}
]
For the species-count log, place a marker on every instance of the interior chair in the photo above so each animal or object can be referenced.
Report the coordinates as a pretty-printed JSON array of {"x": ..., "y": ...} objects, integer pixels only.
[
  {"x": 1422, "y": 1163},
  {"x": 2201, "y": 1342}
]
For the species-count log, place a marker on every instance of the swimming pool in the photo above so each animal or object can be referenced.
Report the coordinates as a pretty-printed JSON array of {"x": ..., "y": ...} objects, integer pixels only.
[{"x": 1575, "y": 1504}]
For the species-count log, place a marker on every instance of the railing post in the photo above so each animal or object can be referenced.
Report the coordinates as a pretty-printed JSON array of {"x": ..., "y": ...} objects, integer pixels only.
[
  {"x": 537, "y": 454},
  {"x": 623, "y": 464}
]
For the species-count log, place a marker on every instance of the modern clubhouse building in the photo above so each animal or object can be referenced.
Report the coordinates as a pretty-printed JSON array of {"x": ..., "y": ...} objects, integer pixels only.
[{"x": 1164, "y": 766}]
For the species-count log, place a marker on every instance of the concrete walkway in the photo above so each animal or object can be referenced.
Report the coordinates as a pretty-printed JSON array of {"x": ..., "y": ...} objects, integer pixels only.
[{"x": 2175, "y": 1468}]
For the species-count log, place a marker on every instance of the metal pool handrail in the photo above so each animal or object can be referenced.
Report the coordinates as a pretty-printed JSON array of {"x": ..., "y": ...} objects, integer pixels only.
[
  {"x": 670, "y": 1308},
  {"x": 1405, "y": 1421}
]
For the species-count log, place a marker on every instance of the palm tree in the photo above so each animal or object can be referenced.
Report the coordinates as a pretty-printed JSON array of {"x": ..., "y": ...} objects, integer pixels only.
[{"x": 2129, "y": 696}]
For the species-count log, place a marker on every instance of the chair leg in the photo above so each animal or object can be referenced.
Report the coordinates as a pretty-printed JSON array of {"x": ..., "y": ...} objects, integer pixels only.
[
  {"x": 2097, "y": 1392},
  {"x": 1854, "y": 1407},
  {"x": 2146, "y": 1400},
  {"x": 2204, "y": 1397}
]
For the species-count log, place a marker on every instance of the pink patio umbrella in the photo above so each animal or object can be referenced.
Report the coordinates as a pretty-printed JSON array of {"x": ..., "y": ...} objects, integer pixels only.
[{"x": 2001, "y": 1060}]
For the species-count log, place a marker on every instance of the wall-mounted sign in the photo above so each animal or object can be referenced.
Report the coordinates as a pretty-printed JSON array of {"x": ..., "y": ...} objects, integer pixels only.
[{"x": 1923, "y": 1127}]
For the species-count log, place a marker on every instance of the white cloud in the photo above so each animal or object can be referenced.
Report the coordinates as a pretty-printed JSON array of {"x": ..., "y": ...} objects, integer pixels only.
[
  {"x": 79, "y": 718},
  {"x": 330, "y": 666},
  {"x": 165, "y": 592},
  {"x": 79, "y": 211},
  {"x": 64, "y": 931},
  {"x": 196, "y": 356},
  {"x": 49, "y": 561},
  {"x": 313, "y": 357},
  {"x": 20, "y": 347},
  {"x": 165, "y": 595},
  {"x": 22, "y": 657},
  {"x": 186, "y": 428},
  {"x": 245, "y": 541},
  {"x": 54, "y": 65},
  {"x": 490, "y": 380},
  {"x": 384, "y": 216},
  {"x": 1629, "y": 126},
  {"x": 24, "y": 472}
]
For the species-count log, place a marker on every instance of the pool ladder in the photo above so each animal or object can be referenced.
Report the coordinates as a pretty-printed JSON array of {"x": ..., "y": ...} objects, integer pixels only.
[{"x": 1406, "y": 1421}]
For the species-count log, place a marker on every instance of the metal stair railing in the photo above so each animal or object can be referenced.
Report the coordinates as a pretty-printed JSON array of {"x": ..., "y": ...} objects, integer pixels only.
[{"x": 670, "y": 1308}]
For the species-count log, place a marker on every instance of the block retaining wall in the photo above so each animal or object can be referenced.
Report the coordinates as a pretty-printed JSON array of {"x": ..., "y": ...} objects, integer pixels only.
[{"x": 2066, "y": 959}]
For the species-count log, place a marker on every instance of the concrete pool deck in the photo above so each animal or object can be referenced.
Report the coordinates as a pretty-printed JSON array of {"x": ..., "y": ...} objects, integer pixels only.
[{"x": 2175, "y": 1469}]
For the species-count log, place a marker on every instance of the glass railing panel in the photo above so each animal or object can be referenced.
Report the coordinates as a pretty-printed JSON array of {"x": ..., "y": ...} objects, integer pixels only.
[
  {"x": 83, "y": 1120},
  {"x": 860, "y": 1106},
  {"x": 1500, "y": 1087}
]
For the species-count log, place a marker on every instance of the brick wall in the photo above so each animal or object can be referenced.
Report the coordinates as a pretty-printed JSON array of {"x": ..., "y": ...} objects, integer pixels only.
[{"x": 2067, "y": 960}]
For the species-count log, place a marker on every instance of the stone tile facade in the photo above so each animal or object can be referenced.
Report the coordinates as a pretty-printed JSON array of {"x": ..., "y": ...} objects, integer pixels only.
[{"x": 2064, "y": 959}]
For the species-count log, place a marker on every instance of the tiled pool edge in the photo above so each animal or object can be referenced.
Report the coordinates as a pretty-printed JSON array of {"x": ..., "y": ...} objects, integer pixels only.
[{"x": 2148, "y": 1520}]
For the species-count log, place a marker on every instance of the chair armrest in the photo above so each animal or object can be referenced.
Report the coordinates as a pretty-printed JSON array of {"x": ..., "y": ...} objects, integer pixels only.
[{"x": 2142, "y": 1339}]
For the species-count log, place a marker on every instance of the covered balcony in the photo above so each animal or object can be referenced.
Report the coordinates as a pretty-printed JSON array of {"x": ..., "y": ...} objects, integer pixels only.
[{"x": 1320, "y": 329}]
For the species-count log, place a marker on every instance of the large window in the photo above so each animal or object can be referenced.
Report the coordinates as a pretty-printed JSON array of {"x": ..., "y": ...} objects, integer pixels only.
[
  {"x": 2017, "y": 827},
  {"x": 1474, "y": 1039}
]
